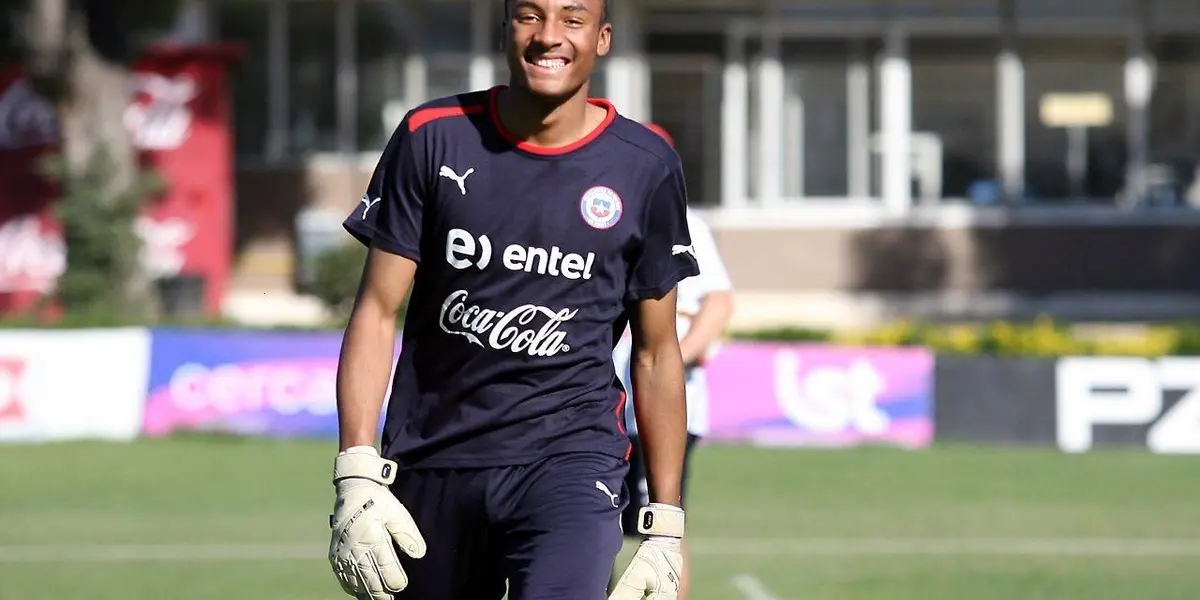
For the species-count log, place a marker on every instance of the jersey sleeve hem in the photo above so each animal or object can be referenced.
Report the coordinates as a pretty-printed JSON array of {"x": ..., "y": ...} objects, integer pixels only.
[
  {"x": 370, "y": 238},
  {"x": 398, "y": 249},
  {"x": 658, "y": 291},
  {"x": 360, "y": 231}
]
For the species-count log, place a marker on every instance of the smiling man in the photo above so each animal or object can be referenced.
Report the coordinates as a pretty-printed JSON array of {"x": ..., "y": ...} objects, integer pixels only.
[{"x": 532, "y": 224}]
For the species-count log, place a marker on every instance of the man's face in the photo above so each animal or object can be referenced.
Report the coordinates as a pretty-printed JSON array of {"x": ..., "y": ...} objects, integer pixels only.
[{"x": 553, "y": 44}]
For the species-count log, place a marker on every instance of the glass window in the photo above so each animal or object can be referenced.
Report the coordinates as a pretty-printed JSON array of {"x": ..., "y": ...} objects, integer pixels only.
[
  {"x": 1074, "y": 9},
  {"x": 10, "y": 36},
  {"x": 245, "y": 23},
  {"x": 384, "y": 37},
  {"x": 815, "y": 118},
  {"x": 446, "y": 26},
  {"x": 1064, "y": 66},
  {"x": 954, "y": 110},
  {"x": 448, "y": 74},
  {"x": 685, "y": 98},
  {"x": 1179, "y": 16},
  {"x": 1174, "y": 121},
  {"x": 312, "y": 76}
]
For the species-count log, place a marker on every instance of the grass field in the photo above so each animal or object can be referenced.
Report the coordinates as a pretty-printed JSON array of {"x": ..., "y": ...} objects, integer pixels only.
[{"x": 217, "y": 519}]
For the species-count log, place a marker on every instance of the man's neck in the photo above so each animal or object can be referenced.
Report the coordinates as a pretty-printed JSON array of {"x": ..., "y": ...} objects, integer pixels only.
[{"x": 541, "y": 124}]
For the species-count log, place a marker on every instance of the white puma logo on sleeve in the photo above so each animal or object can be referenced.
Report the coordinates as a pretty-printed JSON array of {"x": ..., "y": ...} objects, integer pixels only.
[
  {"x": 681, "y": 249},
  {"x": 461, "y": 180},
  {"x": 367, "y": 204}
]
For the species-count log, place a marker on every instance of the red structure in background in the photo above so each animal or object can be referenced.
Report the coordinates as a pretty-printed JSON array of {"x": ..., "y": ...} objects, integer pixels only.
[{"x": 179, "y": 121}]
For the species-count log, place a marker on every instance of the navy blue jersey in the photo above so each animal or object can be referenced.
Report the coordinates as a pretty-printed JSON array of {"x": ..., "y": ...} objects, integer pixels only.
[{"x": 528, "y": 259}]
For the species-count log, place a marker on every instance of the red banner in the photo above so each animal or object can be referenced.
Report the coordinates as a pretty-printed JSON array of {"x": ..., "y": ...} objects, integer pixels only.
[{"x": 179, "y": 121}]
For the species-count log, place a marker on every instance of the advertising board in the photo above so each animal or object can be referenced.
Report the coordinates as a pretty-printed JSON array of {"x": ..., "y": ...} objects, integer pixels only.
[
  {"x": 1128, "y": 401},
  {"x": 72, "y": 384},
  {"x": 813, "y": 395},
  {"x": 262, "y": 383}
]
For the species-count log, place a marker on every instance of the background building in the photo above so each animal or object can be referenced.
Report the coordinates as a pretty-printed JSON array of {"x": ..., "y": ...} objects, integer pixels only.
[{"x": 858, "y": 158}]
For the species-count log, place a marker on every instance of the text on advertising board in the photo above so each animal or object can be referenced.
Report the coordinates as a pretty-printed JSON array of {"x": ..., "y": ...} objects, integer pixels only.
[{"x": 1111, "y": 391}]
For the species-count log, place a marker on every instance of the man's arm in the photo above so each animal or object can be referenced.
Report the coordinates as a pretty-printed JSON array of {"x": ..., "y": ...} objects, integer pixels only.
[
  {"x": 716, "y": 290},
  {"x": 658, "y": 391},
  {"x": 389, "y": 221},
  {"x": 365, "y": 362},
  {"x": 716, "y": 309}
]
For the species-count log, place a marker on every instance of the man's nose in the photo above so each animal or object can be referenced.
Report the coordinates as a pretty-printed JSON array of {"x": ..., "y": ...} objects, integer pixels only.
[{"x": 550, "y": 34}]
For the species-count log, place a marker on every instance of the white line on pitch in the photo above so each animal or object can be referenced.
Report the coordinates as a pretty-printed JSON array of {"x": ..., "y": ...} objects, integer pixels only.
[
  {"x": 949, "y": 546},
  {"x": 1064, "y": 547},
  {"x": 751, "y": 587}
]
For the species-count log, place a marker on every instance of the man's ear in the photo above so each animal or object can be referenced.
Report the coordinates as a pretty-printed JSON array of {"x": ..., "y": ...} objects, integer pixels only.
[{"x": 604, "y": 42}]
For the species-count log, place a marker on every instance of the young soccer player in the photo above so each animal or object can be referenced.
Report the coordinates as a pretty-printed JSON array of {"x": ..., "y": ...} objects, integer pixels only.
[
  {"x": 533, "y": 225},
  {"x": 705, "y": 306}
]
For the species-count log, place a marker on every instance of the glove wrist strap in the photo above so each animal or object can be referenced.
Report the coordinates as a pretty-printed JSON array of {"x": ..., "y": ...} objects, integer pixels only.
[
  {"x": 363, "y": 465},
  {"x": 661, "y": 520}
]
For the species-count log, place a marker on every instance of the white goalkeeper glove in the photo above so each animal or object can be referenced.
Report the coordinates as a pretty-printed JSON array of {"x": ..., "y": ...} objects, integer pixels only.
[
  {"x": 654, "y": 572},
  {"x": 368, "y": 524}
]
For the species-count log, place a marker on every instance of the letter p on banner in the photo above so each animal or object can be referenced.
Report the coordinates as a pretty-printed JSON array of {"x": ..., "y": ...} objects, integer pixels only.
[{"x": 1129, "y": 391}]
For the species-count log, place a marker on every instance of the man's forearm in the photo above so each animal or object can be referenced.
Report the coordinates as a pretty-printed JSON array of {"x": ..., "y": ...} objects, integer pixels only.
[
  {"x": 707, "y": 326},
  {"x": 661, "y": 411},
  {"x": 362, "y": 377}
]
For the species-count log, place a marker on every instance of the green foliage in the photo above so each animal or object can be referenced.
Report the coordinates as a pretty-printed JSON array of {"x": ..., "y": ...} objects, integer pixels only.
[
  {"x": 102, "y": 246},
  {"x": 336, "y": 273},
  {"x": 1042, "y": 337},
  {"x": 785, "y": 334},
  {"x": 1187, "y": 339}
]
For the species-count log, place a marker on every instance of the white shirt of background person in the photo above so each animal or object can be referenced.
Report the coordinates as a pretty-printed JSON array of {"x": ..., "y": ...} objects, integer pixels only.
[{"x": 713, "y": 277}]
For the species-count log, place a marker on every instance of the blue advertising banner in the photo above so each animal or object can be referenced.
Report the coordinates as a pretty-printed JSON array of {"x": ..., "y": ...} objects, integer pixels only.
[{"x": 262, "y": 383}]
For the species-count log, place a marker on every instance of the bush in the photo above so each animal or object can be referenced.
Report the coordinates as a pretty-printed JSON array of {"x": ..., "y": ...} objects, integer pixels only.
[
  {"x": 336, "y": 274},
  {"x": 1043, "y": 337},
  {"x": 788, "y": 334},
  {"x": 336, "y": 278}
]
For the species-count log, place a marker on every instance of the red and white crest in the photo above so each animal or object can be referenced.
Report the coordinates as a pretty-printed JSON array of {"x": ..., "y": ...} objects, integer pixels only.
[{"x": 601, "y": 207}]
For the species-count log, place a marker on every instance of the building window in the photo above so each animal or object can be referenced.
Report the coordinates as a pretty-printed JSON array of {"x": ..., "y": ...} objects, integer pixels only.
[
  {"x": 953, "y": 115},
  {"x": 816, "y": 131},
  {"x": 1174, "y": 121},
  {"x": 448, "y": 74},
  {"x": 312, "y": 69},
  {"x": 385, "y": 36},
  {"x": 446, "y": 26},
  {"x": 1074, "y": 66},
  {"x": 245, "y": 23}
]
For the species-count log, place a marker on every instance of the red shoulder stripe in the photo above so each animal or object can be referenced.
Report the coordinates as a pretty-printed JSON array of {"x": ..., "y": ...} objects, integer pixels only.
[{"x": 428, "y": 115}]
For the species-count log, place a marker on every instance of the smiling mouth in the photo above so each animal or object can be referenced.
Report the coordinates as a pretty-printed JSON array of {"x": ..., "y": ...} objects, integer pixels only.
[{"x": 550, "y": 65}]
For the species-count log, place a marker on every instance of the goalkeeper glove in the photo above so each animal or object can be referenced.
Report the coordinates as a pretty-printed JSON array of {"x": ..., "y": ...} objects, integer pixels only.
[
  {"x": 654, "y": 572},
  {"x": 368, "y": 523}
]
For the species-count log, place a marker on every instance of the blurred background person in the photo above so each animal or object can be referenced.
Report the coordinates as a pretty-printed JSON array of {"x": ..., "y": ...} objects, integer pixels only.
[{"x": 705, "y": 307}]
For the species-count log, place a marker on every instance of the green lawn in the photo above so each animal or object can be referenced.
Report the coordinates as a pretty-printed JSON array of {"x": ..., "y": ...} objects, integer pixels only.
[{"x": 246, "y": 520}]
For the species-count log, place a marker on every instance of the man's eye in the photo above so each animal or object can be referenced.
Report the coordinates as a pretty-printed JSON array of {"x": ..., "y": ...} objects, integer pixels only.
[{"x": 574, "y": 22}]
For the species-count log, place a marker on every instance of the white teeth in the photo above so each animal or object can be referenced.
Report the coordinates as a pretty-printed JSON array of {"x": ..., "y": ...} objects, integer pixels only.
[{"x": 551, "y": 63}]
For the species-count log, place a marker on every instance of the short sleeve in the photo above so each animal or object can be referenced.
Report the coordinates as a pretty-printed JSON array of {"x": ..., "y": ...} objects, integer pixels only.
[
  {"x": 714, "y": 277},
  {"x": 666, "y": 255},
  {"x": 390, "y": 214}
]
